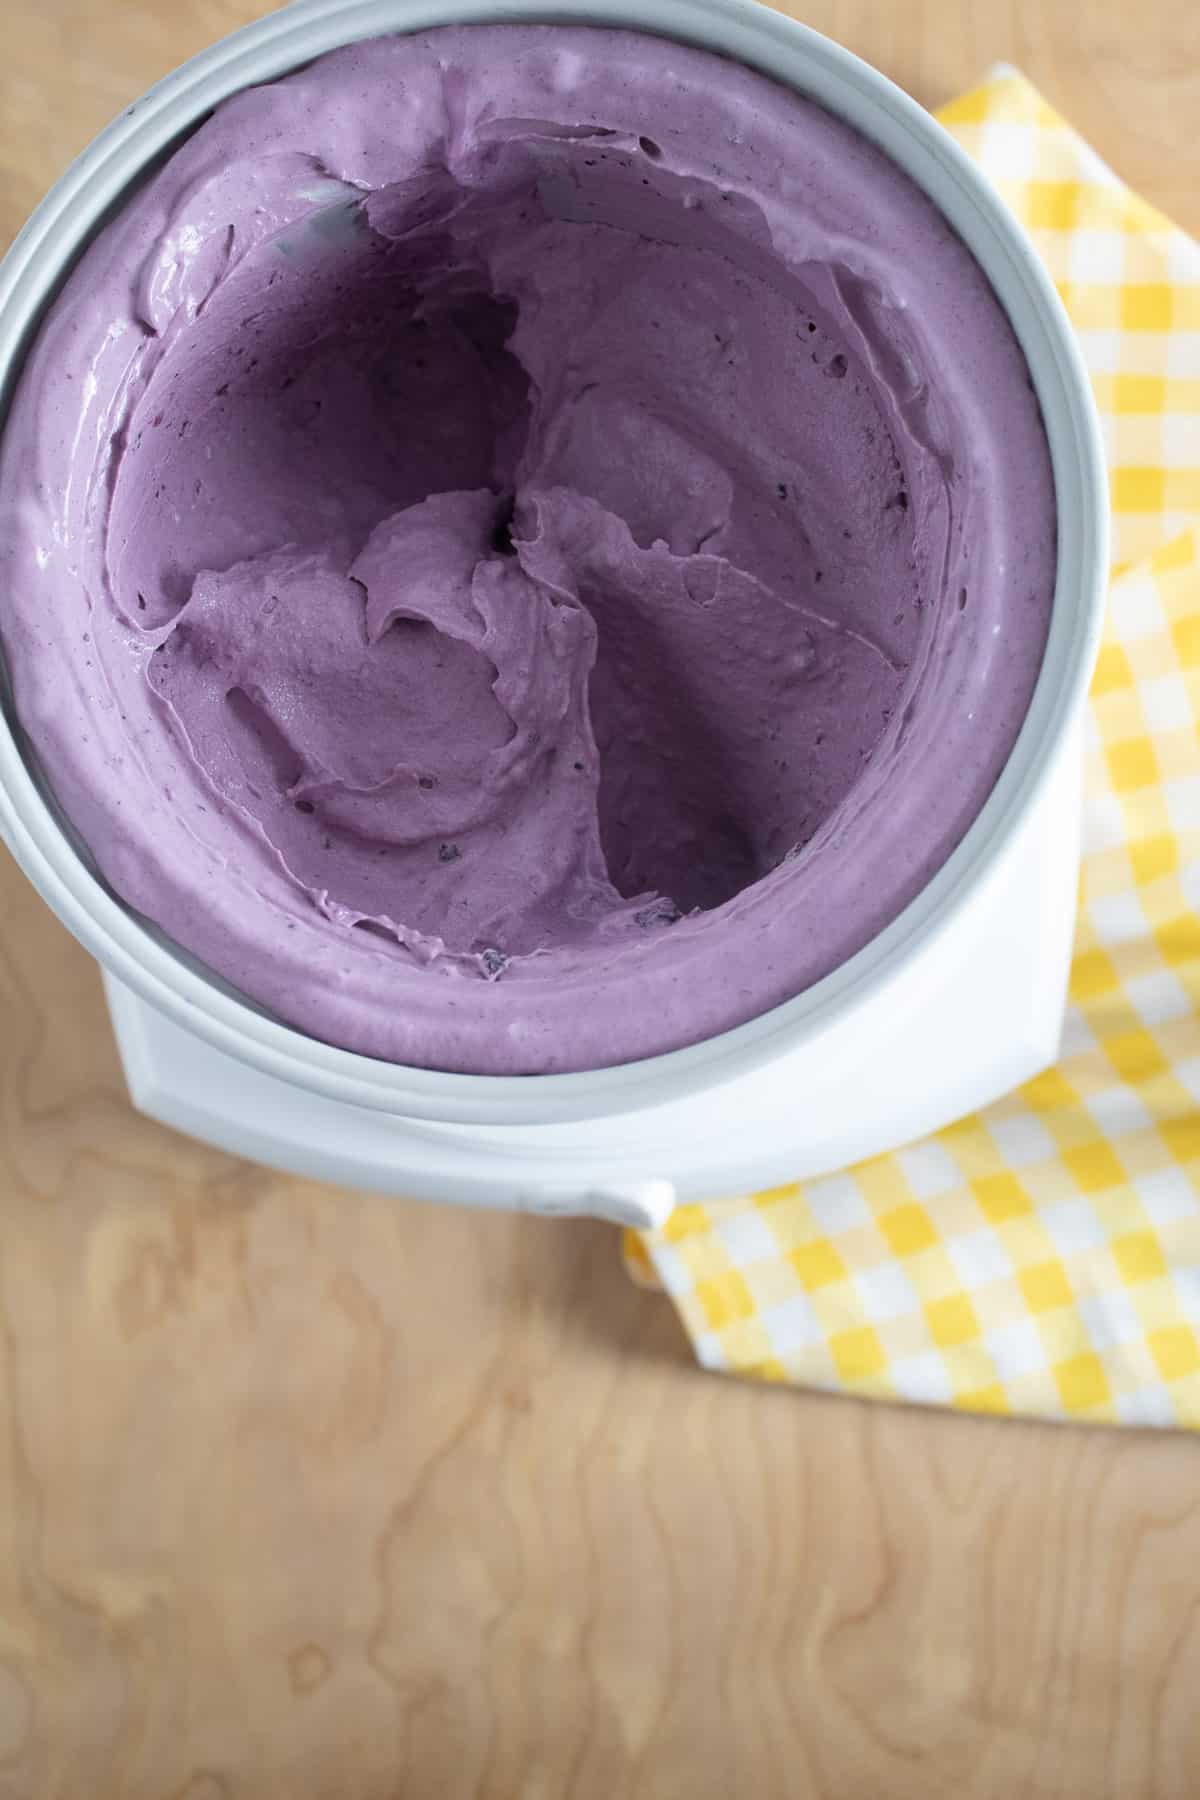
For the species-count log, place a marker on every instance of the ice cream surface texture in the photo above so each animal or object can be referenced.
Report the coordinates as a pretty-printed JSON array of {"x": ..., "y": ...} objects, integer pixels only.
[{"x": 523, "y": 547}]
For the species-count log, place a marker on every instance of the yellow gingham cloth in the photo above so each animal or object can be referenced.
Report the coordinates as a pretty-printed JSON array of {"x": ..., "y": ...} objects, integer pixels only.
[{"x": 1042, "y": 1256}]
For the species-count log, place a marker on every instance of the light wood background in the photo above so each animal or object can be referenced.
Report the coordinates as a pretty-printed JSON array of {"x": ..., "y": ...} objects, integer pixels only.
[{"x": 310, "y": 1496}]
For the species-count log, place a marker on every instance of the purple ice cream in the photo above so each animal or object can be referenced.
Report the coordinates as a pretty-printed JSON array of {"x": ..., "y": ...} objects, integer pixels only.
[{"x": 524, "y": 547}]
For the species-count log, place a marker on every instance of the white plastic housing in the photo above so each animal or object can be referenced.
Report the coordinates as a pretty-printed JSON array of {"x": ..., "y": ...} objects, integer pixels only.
[{"x": 959, "y": 998}]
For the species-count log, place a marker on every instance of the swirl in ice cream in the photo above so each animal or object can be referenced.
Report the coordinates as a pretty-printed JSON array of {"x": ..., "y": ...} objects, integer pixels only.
[{"x": 524, "y": 547}]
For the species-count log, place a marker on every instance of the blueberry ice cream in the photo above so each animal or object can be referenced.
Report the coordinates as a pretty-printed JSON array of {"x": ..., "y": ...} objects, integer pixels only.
[{"x": 524, "y": 547}]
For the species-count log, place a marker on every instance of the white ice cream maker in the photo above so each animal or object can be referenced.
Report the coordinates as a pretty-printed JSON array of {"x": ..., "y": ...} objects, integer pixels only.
[{"x": 957, "y": 1001}]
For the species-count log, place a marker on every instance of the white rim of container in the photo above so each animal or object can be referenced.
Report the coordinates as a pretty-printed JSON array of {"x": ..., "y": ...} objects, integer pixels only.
[{"x": 799, "y": 57}]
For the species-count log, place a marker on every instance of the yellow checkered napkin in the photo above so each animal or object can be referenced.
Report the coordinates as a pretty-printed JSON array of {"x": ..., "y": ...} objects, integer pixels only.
[{"x": 1042, "y": 1256}]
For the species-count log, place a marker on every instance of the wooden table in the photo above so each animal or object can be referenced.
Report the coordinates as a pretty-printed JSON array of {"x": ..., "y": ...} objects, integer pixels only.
[{"x": 311, "y": 1496}]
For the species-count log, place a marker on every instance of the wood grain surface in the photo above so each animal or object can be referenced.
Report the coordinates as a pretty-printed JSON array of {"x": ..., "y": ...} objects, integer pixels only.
[{"x": 311, "y": 1496}]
